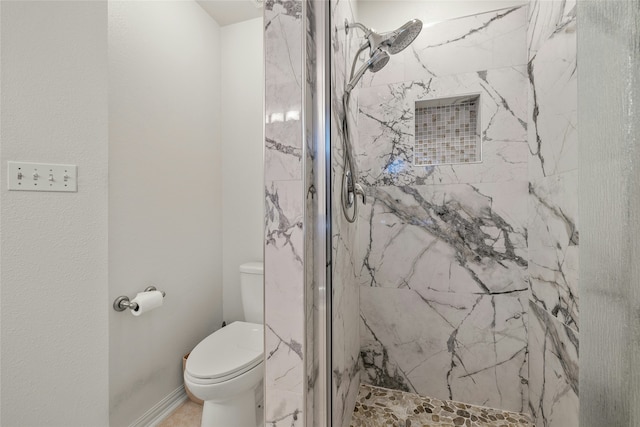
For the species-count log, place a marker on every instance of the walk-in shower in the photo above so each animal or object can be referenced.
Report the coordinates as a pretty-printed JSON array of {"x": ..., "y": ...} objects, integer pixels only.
[
  {"x": 479, "y": 282},
  {"x": 380, "y": 46}
]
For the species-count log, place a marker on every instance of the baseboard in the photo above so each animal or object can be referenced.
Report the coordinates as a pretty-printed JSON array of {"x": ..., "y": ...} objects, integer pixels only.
[{"x": 162, "y": 409}]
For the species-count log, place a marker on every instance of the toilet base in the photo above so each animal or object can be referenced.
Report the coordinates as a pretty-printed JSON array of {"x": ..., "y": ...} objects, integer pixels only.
[{"x": 230, "y": 413}]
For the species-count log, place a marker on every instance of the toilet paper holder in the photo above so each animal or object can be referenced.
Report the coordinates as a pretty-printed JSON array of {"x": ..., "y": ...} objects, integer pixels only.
[{"x": 123, "y": 302}]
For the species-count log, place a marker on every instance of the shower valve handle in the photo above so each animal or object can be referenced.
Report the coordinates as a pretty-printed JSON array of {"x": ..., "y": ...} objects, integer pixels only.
[{"x": 357, "y": 188}]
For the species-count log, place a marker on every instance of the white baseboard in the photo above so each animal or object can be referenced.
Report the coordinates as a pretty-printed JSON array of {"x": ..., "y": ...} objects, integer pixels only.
[{"x": 162, "y": 409}]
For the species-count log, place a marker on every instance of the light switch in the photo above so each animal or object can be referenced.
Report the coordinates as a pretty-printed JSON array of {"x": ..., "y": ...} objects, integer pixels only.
[{"x": 42, "y": 177}]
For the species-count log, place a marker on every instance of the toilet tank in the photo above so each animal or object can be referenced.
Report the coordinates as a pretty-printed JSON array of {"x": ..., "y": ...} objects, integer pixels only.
[{"x": 252, "y": 291}]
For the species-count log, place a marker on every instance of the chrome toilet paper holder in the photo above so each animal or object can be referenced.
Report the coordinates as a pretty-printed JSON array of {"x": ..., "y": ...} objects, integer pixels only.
[{"x": 123, "y": 302}]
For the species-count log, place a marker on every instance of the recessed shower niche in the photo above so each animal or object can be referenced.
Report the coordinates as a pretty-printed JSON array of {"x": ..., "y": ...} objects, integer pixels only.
[{"x": 447, "y": 131}]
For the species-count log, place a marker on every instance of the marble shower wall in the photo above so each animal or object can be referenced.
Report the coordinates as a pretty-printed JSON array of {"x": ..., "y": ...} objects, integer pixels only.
[
  {"x": 284, "y": 210},
  {"x": 553, "y": 213},
  {"x": 553, "y": 370},
  {"x": 443, "y": 264},
  {"x": 345, "y": 289},
  {"x": 311, "y": 294}
]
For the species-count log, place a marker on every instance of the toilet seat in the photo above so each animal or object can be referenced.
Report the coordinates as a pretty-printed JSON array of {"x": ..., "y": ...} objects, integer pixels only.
[{"x": 227, "y": 353}]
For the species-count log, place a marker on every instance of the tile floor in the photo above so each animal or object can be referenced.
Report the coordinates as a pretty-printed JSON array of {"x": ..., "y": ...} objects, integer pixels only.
[
  {"x": 189, "y": 414},
  {"x": 379, "y": 407}
]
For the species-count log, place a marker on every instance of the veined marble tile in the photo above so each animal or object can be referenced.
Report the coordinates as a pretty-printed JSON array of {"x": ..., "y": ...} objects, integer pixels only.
[
  {"x": 283, "y": 90},
  {"x": 464, "y": 347},
  {"x": 284, "y": 368},
  {"x": 553, "y": 206},
  {"x": 481, "y": 42},
  {"x": 553, "y": 135},
  {"x": 385, "y": 144},
  {"x": 554, "y": 210},
  {"x": 283, "y": 41},
  {"x": 283, "y": 149},
  {"x": 553, "y": 277},
  {"x": 284, "y": 309},
  {"x": 311, "y": 308},
  {"x": 551, "y": 22},
  {"x": 449, "y": 238},
  {"x": 553, "y": 370},
  {"x": 285, "y": 198},
  {"x": 553, "y": 245},
  {"x": 284, "y": 409},
  {"x": 345, "y": 327}
]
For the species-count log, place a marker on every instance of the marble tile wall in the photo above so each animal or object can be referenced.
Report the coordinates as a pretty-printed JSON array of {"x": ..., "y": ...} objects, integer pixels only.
[
  {"x": 553, "y": 366},
  {"x": 443, "y": 266},
  {"x": 553, "y": 213},
  {"x": 284, "y": 210},
  {"x": 345, "y": 289},
  {"x": 311, "y": 205}
]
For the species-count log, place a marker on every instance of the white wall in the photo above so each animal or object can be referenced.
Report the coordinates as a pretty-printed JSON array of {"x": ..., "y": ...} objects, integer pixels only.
[
  {"x": 242, "y": 168},
  {"x": 165, "y": 194},
  {"x": 54, "y": 300}
]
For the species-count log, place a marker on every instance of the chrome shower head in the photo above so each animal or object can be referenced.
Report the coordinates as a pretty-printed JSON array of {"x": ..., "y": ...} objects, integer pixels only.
[
  {"x": 393, "y": 41},
  {"x": 378, "y": 60},
  {"x": 399, "y": 39}
]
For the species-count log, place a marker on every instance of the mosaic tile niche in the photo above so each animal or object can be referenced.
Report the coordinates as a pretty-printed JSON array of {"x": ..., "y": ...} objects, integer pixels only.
[{"x": 447, "y": 131}]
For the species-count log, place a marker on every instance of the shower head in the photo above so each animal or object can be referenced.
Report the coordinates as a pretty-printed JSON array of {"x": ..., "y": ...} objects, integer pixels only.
[
  {"x": 377, "y": 61},
  {"x": 399, "y": 39},
  {"x": 393, "y": 41}
]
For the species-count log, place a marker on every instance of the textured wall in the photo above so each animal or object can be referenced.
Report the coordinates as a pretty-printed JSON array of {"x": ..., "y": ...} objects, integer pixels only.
[
  {"x": 443, "y": 267},
  {"x": 165, "y": 194},
  {"x": 553, "y": 214},
  {"x": 609, "y": 176},
  {"x": 284, "y": 192},
  {"x": 53, "y": 249}
]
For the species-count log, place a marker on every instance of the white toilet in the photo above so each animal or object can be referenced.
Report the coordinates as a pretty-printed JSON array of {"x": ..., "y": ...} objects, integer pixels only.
[{"x": 227, "y": 366}]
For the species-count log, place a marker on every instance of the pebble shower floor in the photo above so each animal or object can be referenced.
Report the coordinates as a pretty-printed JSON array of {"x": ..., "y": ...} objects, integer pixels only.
[{"x": 379, "y": 407}]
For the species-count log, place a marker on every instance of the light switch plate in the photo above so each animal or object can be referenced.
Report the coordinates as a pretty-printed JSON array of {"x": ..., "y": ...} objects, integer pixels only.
[{"x": 42, "y": 177}]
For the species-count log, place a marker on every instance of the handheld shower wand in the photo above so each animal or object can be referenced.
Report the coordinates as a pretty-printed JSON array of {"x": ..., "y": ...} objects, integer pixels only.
[{"x": 381, "y": 45}]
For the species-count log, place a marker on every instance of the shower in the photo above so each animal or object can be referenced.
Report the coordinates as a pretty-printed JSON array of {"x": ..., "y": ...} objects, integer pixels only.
[{"x": 380, "y": 46}]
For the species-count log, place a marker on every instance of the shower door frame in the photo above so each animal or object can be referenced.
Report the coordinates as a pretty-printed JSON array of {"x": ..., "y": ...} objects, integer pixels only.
[{"x": 317, "y": 121}]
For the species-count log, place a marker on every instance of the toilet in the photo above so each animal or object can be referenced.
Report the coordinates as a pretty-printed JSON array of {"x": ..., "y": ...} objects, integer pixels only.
[{"x": 226, "y": 367}]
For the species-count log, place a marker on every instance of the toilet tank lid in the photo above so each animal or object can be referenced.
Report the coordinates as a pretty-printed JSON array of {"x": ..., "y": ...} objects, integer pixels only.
[{"x": 252, "y": 268}]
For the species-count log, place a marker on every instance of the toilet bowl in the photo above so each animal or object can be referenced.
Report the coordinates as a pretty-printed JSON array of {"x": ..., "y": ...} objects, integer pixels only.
[{"x": 224, "y": 371}]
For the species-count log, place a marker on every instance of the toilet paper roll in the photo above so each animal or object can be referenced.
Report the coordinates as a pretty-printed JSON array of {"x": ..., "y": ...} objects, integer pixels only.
[{"x": 147, "y": 301}]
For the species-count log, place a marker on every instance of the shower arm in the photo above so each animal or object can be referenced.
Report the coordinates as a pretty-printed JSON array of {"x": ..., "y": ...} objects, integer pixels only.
[{"x": 348, "y": 25}]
